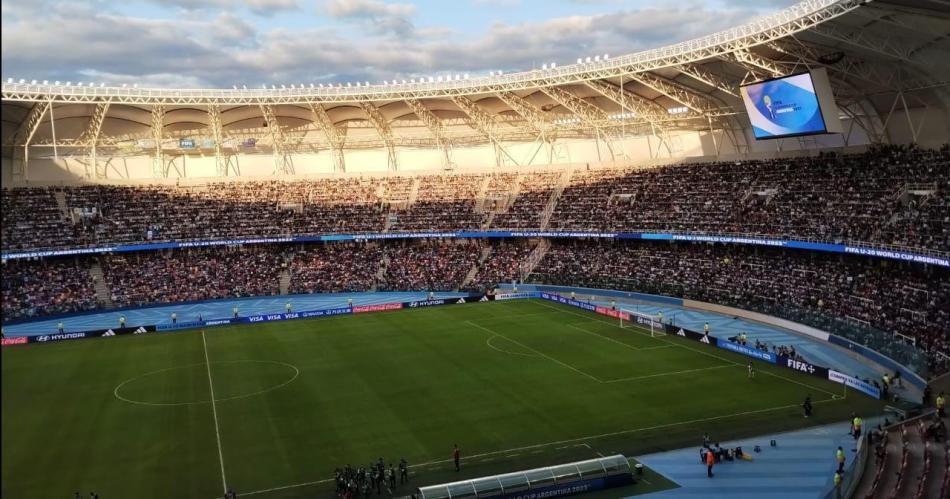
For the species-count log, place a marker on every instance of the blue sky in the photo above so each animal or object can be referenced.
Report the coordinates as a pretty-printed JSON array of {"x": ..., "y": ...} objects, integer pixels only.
[{"x": 195, "y": 43}]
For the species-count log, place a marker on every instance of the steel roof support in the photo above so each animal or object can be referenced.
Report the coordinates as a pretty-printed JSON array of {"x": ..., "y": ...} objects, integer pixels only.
[
  {"x": 223, "y": 162},
  {"x": 434, "y": 124},
  {"x": 90, "y": 140},
  {"x": 385, "y": 132},
  {"x": 24, "y": 135},
  {"x": 644, "y": 109},
  {"x": 335, "y": 136},
  {"x": 159, "y": 169},
  {"x": 283, "y": 161},
  {"x": 702, "y": 76},
  {"x": 591, "y": 115},
  {"x": 486, "y": 125}
]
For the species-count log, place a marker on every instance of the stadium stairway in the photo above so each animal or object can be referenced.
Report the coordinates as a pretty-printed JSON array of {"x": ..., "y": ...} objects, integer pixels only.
[
  {"x": 912, "y": 467},
  {"x": 801, "y": 466},
  {"x": 486, "y": 251},
  {"x": 103, "y": 294},
  {"x": 284, "y": 283}
]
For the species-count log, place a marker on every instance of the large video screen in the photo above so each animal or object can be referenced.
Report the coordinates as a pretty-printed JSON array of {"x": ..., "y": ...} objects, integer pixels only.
[{"x": 791, "y": 106}]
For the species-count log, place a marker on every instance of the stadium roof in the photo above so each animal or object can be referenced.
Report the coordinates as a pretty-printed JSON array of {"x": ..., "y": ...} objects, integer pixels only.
[{"x": 881, "y": 56}]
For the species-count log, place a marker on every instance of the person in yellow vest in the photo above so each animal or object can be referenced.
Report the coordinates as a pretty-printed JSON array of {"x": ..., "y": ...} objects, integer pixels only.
[
  {"x": 856, "y": 427},
  {"x": 349, "y": 302},
  {"x": 706, "y": 328},
  {"x": 174, "y": 318},
  {"x": 61, "y": 327},
  {"x": 659, "y": 316},
  {"x": 287, "y": 307},
  {"x": 121, "y": 321},
  {"x": 613, "y": 304},
  {"x": 941, "y": 405},
  {"x": 839, "y": 455},
  {"x": 573, "y": 295},
  {"x": 838, "y": 478},
  {"x": 234, "y": 312}
]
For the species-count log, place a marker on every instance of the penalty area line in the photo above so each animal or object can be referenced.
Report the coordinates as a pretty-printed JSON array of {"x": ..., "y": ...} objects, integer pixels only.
[{"x": 561, "y": 442}]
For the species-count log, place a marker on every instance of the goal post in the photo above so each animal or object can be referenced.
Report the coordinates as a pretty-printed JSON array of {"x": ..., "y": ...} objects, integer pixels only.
[{"x": 634, "y": 319}]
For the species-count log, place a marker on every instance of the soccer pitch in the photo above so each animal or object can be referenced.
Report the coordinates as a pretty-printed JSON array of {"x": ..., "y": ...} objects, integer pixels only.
[{"x": 515, "y": 384}]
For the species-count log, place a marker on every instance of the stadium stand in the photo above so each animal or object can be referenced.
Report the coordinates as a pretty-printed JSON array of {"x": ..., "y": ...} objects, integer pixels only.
[
  {"x": 47, "y": 287},
  {"x": 428, "y": 265},
  {"x": 194, "y": 274},
  {"x": 335, "y": 268},
  {"x": 890, "y": 195},
  {"x": 812, "y": 288}
]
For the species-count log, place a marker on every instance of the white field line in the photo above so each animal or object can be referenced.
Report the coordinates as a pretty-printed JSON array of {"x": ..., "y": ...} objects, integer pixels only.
[
  {"x": 608, "y": 338},
  {"x": 579, "y": 314},
  {"x": 502, "y": 350},
  {"x": 559, "y": 442},
  {"x": 552, "y": 359},
  {"x": 667, "y": 374},
  {"x": 214, "y": 412}
]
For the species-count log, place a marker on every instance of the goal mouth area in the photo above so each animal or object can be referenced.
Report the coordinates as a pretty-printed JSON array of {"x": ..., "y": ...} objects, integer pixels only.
[{"x": 640, "y": 320}]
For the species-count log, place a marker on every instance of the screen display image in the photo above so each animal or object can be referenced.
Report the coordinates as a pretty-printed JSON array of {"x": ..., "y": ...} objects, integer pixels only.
[{"x": 784, "y": 107}]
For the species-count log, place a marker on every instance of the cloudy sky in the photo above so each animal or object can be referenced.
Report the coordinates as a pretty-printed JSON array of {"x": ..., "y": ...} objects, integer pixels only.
[{"x": 199, "y": 43}]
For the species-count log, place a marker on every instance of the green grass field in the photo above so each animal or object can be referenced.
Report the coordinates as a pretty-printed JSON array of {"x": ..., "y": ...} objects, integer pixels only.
[{"x": 516, "y": 384}]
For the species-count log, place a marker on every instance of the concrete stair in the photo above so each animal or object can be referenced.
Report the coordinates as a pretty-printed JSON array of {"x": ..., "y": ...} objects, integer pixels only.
[
  {"x": 284, "y": 282},
  {"x": 103, "y": 294}
]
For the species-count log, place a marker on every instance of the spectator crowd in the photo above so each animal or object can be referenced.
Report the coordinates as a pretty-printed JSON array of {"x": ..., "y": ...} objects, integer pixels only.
[{"x": 889, "y": 195}]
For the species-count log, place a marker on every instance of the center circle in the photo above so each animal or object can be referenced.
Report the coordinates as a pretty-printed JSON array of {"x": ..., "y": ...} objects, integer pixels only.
[{"x": 188, "y": 384}]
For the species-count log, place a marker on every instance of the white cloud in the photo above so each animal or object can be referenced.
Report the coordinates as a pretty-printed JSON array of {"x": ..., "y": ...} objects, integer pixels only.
[
  {"x": 73, "y": 42},
  {"x": 382, "y": 17}
]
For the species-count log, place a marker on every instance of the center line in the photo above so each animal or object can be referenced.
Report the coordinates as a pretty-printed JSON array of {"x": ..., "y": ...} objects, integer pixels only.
[{"x": 214, "y": 412}]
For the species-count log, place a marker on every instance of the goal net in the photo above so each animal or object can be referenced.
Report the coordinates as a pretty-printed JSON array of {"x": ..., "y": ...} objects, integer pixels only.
[{"x": 640, "y": 320}]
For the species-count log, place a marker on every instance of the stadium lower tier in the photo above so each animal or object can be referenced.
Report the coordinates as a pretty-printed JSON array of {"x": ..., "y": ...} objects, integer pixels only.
[
  {"x": 887, "y": 196},
  {"x": 844, "y": 294}
]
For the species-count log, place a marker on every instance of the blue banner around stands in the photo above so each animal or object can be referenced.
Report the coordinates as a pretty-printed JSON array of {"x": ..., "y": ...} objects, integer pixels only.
[
  {"x": 805, "y": 245},
  {"x": 745, "y": 350}
]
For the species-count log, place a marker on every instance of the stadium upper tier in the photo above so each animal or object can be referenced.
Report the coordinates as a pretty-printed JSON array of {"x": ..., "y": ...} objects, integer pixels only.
[
  {"x": 884, "y": 57},
  {"x": 891, "y": 196}
]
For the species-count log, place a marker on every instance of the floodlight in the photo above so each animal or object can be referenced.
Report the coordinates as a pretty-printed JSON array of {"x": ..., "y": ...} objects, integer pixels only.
[
  {"x": 605, "y": 57},
  {"x": 101, "y": 85},
  {"x": 465, "y": 76},
  {"x": 544, "y": 66},
  {"x": 282, "y": 87},
  {"x": 133, "y": 86},
  {"x": 500, "y": 72},
  {"x": 365, "y": 83},
  {"x": 234, "y": 87},
  {"x": 430, "y": 79},
  {"x": 9, "y": 80},
  {"x": 33, "y": 82},
  {"x": 311, "y": 85},
  {"x": 580, "y": 61},
  {"x": 491, "y": 73},
  {"x": 321, "y": 85},
  {"x": 348, "y": 84},
  {"x": 292, "y": 86},
  {"x": 22, "y": 81},
  {"x": 244, "y": 87},
  {"x": 404, "y": 81},
  {"x": 588, "y": 59},
  {"x": 596, "y": 58},
  {"x": 45, "y": 82},
  {"x": 553, "y": 65},
  {"x": 124, "y": 85},
  {"x": 57, "y": 82}
]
